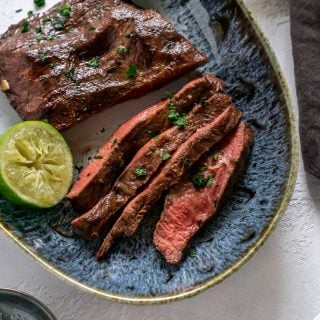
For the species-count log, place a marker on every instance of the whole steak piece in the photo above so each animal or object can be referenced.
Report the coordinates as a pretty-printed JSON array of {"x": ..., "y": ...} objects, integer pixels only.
[
  {"x": 81, "y": 57},
  {"x": 197, "y": 199}
]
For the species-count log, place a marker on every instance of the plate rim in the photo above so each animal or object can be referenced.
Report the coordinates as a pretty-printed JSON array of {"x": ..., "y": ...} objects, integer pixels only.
[
  {"x": 31, "y": 299},
  {"x": 251, "y": 250}
]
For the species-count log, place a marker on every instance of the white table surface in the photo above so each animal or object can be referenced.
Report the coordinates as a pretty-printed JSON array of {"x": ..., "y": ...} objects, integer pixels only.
[{"x": 282, "y": 281}]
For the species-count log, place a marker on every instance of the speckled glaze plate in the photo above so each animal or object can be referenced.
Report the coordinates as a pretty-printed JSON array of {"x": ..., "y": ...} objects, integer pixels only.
[{"x": 134, "y": 271}]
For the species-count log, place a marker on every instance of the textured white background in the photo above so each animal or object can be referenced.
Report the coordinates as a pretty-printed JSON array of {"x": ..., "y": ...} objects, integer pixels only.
[{"x": 282, "y": 281}]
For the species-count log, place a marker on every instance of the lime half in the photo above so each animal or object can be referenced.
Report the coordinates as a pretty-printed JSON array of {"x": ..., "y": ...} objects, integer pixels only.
[{"x": 36, "y": 165}]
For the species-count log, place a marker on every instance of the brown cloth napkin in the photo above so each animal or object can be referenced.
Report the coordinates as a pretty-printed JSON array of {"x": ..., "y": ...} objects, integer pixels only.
[{"x": 305, "y": 32}]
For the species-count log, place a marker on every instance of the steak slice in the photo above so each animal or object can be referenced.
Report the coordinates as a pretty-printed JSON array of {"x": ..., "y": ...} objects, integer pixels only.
[
  {"x": 147, "y": 161},
  {"x": 82, "y": 57},
  {"x": 188, "y": 206},
  {"x": 190, "y": 151},
  {"x": 97, "y": 177}
]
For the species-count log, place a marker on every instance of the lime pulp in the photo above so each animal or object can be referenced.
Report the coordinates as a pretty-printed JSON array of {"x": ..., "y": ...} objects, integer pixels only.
[{"x": 36, "y": 165}]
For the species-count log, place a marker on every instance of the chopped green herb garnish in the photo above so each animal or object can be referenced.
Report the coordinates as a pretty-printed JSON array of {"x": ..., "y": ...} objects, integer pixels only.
[
  {"x": 70, "y": 75},
  {"x": 18, "y": 10},
  {"x": 210, "y": 181},
  {"x": 140, "y": 172},
  {"x": 91, "y": 28},
  {"x": 193, "y": 254},
  {"x": 94, "y": 62},
  {"x": 215, "y": 157},
  {"x": 98, "y": 157},
  {"x": 175, "y": 117},
  {"x": 25, "y": 27},
  {"x": 52, "y": 65},
  {"x": 181, "y": 122},
  {"x": 51, "y": 37},
  {"x": 132, "y": 71},
  {"x": 58, "y": 24},
  {"x": 38, "y": 29},
  {"x": 173, "y": 114},
  {"x": 39, "y": 3},
  {"x": 42, "y": 56},
  {"x": 30, "y": 13},
  {"x": 39, "y": 37},
  {"x": 65, "y": 10},
  {"x": 169, "y": 94},
  {"x": 115, "y": 141},
  {"x": 234, "y": 161},
  {"x": 121, "y": 49},
  {"x": 156, "y": 137},
  {"x": 166, "y": 156},
  {"x": 199, "y": 179}
]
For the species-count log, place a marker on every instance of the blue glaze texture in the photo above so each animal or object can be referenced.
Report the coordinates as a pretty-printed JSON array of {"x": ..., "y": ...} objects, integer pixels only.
[{"x": 133, "y": 267}]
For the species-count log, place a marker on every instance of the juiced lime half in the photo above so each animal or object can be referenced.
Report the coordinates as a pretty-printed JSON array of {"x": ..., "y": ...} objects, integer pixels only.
[{"x": 36, "y": 165}]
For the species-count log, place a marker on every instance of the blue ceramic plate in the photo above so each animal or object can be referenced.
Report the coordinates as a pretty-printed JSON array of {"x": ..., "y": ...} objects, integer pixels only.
[{"x": 134, "y": 271}]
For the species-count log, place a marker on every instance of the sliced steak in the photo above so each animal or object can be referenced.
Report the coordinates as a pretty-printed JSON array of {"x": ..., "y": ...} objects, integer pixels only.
[
  {"x": 81, "y": 57},
  {"x": 97, "y": 177},
  {"x": 188, "y": 153},
  {"x": 146, "y": 163},
  {"x": 190, "y": 204}
]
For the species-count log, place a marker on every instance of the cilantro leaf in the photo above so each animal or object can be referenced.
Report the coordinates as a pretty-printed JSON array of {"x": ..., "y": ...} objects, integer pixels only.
[
  {"x": 70, "y": 75},
  {"x": 169, "y": 94},
  {"x": 166, "y": 156},
  {"x": 25, "y": 27},
  {"x": 132, "y": 71},
  {"x": 39, "y": 3},
  {"x": 140, "y": 173},
  {"x": 121, "y": 49},
  {"x": 94, "y": 62},
  {"x": 175, "y": 117},
  {"x": 65, "y": 10}
]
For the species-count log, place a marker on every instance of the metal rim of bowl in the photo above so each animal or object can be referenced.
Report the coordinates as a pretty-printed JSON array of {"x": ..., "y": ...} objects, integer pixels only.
[
  {"x": 27, "y": 297},
  {"x": 278, "y": 212}
]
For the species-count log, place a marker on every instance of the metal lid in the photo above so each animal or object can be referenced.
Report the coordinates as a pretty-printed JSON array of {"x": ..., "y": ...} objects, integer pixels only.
[{"x": 16, "y": 305}]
